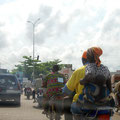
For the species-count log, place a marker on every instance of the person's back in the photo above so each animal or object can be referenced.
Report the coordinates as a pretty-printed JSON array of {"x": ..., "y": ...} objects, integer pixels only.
[
  {"x": 80, "y": 76},
  {"x": 55, "y": 81},
  {"x": 53, "y": 84},
  {"x": 95, "y": 72},
  {"x": 97, "y": 76}
]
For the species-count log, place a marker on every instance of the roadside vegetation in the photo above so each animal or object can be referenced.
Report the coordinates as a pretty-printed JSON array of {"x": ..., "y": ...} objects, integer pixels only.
[{"x": 26, "y": 66}]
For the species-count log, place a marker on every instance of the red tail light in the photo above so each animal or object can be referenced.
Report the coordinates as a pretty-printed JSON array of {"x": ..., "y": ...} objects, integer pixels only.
[{"x": 104, "y": 117}]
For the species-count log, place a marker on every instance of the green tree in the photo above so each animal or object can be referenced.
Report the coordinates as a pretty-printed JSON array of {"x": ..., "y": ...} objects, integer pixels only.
[{"x": 44, "y": 68}]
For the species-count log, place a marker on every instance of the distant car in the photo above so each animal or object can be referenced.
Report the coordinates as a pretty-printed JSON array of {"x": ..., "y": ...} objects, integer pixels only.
[{"x": 10, "y": 88}]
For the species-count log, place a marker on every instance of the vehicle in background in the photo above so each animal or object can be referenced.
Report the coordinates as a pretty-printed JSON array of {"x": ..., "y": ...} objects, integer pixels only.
[
  {"x": 40, "y": 97},
  {"x": 28, "y": 92},
  {"x": 10, "y": 88},
  {"x": 38, "y": 83}
]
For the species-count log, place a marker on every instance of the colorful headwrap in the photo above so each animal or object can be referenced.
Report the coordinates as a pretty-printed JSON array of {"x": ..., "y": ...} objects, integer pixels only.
[
  {"x": 84, "y": 55},
  {"x": 95, "y": 52},
  {"x": 84, "y": 58}
]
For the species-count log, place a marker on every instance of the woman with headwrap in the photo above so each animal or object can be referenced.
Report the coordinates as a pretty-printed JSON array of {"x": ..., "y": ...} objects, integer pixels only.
[
  {"x": 97, "y": 76},
  {"x": 73, "y": 84},
  {"x": 84, "y": 58},
  {"x": 81, "y": 77}
]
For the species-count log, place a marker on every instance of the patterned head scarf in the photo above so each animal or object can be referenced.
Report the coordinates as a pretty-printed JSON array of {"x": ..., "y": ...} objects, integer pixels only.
[
  {"x": 94, "y": 53},
  {"x": 84, "y": 55},
  {"x": 84, "y": 58}
]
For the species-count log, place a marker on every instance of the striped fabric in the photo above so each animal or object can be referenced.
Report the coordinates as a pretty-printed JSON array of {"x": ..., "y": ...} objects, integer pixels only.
[{"x": 52, "y": 84}]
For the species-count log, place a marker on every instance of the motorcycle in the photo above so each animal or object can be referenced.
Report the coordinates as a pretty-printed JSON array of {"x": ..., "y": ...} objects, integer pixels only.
[
  {"x": 54, "y": 108},
  {"x": 94, "y": 112},
  {"x": 67, "y": 101},
  {"x": 40, "y": 97},
  {"x": 28, "y": 92}
]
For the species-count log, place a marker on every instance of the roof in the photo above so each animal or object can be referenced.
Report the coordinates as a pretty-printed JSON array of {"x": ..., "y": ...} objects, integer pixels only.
[{"x": 6, "y": 74}]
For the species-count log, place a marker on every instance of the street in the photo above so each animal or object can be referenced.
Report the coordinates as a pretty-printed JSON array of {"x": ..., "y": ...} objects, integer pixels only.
[{"x": 27, "y": 111}]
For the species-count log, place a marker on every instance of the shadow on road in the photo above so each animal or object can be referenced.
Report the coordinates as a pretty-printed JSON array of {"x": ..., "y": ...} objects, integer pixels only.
[
  {"x": 25, "y": 98},
  {"x": 8, "y": 104},
  {"x": 37, "y": 107}
]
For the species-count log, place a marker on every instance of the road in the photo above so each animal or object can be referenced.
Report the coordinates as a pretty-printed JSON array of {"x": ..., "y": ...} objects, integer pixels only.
[{"x": 27, "y": 111}]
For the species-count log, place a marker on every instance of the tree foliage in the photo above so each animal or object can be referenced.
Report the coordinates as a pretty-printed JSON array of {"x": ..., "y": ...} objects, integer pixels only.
[{"x": 44, "y": 68}]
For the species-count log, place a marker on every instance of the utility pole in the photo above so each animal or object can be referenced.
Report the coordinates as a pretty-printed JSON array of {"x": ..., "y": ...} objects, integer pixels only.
[{"x": 34, "y": 24}]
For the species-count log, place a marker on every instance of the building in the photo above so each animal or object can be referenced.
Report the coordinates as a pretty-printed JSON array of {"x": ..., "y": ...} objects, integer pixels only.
[{"x": 67, "y": 71}]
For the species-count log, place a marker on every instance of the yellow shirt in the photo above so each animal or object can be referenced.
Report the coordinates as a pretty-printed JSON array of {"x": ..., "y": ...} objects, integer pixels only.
[{"x": 74, "y": 82}]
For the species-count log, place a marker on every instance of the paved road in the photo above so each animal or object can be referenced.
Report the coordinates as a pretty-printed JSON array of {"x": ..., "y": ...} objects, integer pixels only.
[{"x": 27, "y": 111}]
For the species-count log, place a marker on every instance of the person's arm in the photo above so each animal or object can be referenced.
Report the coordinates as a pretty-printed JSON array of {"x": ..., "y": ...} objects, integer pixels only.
[
  {"x": 70, "y": 85},
  {"x": 66, "y": 91}
]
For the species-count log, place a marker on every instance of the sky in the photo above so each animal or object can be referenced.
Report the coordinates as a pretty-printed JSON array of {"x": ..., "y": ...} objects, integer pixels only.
[{"x": 64, "y": 30}]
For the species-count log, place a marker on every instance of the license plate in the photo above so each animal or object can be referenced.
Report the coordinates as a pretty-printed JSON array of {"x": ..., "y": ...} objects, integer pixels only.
[{"x": 104, "y": 117}]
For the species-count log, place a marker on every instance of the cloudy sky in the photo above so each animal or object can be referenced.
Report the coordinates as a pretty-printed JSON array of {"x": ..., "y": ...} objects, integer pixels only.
[{"x": 66, "y": 28}]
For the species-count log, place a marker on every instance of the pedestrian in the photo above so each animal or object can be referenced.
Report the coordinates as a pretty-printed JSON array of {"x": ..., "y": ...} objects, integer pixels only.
[{"x": 34, "y": 96}]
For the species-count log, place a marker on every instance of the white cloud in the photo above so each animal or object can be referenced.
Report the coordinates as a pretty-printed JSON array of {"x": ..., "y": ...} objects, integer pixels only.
[{"x": 65, "y": 28}]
